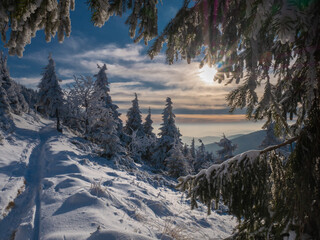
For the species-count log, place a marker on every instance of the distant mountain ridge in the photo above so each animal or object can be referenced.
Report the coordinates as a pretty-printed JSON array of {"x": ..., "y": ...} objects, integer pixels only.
[
  {"x": 245, "y": 142},
  {"x": 206, "y": 140}
]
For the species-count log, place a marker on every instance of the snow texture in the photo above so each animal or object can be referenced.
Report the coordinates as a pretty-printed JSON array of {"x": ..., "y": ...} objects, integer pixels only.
[{"x": 51, "y": 187}]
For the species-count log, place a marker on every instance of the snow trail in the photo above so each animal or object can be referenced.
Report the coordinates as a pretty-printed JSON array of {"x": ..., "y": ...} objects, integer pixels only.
[
  {"x": 24, "y": 218},
  {"x": 61, "y": 201}
]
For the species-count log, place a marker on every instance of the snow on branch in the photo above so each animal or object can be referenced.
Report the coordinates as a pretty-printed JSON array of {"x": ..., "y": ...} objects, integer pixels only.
[{"x": 242, "y": 182}]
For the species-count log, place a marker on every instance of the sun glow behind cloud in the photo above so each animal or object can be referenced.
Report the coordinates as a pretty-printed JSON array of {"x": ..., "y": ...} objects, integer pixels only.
[
  {"x": 207, "y": 73},
  {"x": 131, "y": 71}
]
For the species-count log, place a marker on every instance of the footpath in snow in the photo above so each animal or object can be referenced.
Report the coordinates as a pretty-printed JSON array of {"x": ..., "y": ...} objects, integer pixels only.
[{"x": 53, "y": 187}]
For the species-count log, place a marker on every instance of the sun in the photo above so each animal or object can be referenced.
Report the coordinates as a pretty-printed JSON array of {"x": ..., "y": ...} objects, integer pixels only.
[{"x": 207, "y": 73}]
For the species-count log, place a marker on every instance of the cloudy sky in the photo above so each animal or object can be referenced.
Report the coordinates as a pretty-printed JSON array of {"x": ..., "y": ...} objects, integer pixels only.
[{"x": 199, "y": 103}]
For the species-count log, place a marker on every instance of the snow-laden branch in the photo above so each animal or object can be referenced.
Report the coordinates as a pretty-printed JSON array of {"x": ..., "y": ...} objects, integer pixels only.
[
  {"x": 251, "y": 155},
  {"x": 244, "y": 177}
]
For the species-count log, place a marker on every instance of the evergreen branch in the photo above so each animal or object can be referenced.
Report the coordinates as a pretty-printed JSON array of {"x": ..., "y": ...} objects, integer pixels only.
[
  {"x": 234, "y": 173},
  {"x": 184, "y": 180}
]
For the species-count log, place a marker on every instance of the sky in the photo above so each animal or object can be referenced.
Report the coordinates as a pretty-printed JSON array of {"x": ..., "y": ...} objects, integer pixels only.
[{"x": 199, "y": 103}]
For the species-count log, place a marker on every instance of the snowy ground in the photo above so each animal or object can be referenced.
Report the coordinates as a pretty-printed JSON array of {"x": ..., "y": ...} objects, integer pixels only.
[{"x": 52, "y": 188}]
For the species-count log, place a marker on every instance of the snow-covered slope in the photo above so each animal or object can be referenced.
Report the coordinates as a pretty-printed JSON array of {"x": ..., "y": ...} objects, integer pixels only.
[{"x": 53, "y": 187}]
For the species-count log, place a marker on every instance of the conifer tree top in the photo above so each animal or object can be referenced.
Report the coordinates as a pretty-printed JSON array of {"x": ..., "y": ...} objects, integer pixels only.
[
  {"x": 169, "y": 127},
  {"x": 148, "y": 124},
  {"x": 134, "y": 118},
  {"x": 50, "y": 93},
  {"x": 102, "y": 79}
]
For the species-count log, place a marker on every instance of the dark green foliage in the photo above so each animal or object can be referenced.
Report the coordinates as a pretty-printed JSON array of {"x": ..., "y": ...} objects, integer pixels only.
[{"x": 304, "y": 178}]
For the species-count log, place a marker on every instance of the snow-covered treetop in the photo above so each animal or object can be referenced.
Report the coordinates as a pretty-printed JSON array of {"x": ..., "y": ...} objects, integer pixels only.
[
  {"x": 134, "y": 120},
  {"x": 102, "y": 82},
  {"x": 147, "y": 125},
  {"x": 101, "y": 93},
  {"x": 50, "y": 93},
  {"x": 169, "y": 127}
]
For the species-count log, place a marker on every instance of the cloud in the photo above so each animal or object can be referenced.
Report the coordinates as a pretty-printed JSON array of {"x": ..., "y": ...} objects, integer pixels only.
[
  {"x": 131, "y": 71},
  {"x": 131, "y": 52},
  {"x": 197, "y": 118},
  {"x": 30, "y": 82}
]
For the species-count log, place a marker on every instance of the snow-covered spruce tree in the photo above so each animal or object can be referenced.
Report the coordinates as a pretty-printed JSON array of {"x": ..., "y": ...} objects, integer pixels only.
[
  {"x": 176, "y": 162},
  {"x": 193, "y": 149},
  {"x": 13, "y": 94},
  {"x": 149, "y": 136},
  {"x": 227, "y": 148},
  {"x": 50, "y": 95},
  {"x": 134, "y": 119},
  {"x": 104, "y": 120},
  {"x": 101, "y": 94},
  {"x": 104, "y": 131},
  {"x": 203, "y": 158},
  {"x": 147, "y": 125},
  {"x": 140, "y": 147},
  {"x": 79, "y": 105},
  {"x": 188, "y": 157},
  {"x": 169, "y": 133},
  {"x": 11, "y": 98},
  {"x": 30, "y": 95},
  {"x": 5, "y": 118}
]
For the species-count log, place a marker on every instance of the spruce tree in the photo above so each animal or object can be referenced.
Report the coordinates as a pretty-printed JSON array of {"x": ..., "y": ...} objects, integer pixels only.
[
  {"x": 104, "y": 132},
  {"x": 169, "y": 133},
  {"x": 147, "y": 125},
  {"x": 150, "y": 137},
  {"x": 11, "y": 91},
  {"x": 201, "y": 160},
  {"x": 50, "y": 95},
  {"x": 188, "y": 157},
  {"x": 176, "y": 162},
  {"x": 101, "y": 93},
  {"x": 134, "y": 119},
  {"x": 105, "y": 125},
  {"x": 5, "y": 118},
  {"x": 193, "y": 149},
  {"x": 5, "y": 108}
]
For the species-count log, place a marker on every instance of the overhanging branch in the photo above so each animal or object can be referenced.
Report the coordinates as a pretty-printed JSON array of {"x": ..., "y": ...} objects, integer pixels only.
[{"x": 274, "y": 147}]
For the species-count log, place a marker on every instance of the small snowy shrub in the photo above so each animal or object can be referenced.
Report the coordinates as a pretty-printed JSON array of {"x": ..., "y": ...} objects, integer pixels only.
[
  {"x": 96, "y": 189},
  {"x": 175, "y": 231}
]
